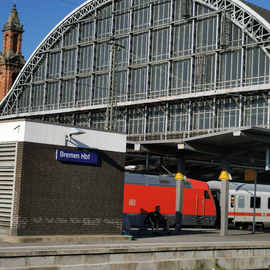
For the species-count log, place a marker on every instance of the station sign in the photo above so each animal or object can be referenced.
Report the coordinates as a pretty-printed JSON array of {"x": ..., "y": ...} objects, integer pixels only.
[{"x": 76, "y": 156}]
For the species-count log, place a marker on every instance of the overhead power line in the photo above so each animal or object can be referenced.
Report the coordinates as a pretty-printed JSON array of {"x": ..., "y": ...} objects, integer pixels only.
[{"x": 69, "y": 3}]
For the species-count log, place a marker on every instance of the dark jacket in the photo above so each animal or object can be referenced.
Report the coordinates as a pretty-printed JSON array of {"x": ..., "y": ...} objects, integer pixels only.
[{"x": 152, "y": 217}]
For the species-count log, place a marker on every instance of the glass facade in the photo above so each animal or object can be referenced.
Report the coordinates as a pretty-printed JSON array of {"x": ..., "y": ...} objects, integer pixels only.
[{"x": 175, "y": 77}]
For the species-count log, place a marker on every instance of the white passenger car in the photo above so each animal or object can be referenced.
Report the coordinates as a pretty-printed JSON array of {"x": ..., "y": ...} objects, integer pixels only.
[{"x": 241, "y": 204}]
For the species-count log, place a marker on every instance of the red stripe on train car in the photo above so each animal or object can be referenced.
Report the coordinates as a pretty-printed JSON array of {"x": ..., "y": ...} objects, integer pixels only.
[{"x": 243, "y": 214}]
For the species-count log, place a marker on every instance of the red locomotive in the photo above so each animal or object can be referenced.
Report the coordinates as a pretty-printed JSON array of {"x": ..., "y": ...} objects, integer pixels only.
[{"x": 144, "y": 192}]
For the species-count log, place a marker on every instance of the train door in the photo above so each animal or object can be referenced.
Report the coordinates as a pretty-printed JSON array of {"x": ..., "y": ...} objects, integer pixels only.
[
  {"x": 216, "y": 195},
  {"x": 206, "y": 202},
  {"x": 200, "y": 204},
  {"x": 241, "y": 205},
  {"x": 266, "y": 222},
  {"x": 264, "y": 205}
]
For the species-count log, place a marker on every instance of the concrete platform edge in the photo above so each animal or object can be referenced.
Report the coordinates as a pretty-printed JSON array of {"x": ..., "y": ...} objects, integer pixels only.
[
  {"x": 106, "y": 249},
  {"x": 136, "y": 259},
  {"x": 64, "y": 238}
]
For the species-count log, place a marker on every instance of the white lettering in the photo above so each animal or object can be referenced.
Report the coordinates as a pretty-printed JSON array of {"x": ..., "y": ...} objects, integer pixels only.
[
  {"x": 85, "y": 156},
  {"x": 69, "y": 155},
  {"x": 132, "y": 202}
]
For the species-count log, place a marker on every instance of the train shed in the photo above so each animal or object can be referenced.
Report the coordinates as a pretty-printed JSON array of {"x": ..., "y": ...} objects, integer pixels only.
[{"x": 246, "y": 147}]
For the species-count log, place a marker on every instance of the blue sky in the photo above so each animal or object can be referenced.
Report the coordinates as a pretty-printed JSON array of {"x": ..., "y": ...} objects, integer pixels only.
[{"x": 40, "y": 16}]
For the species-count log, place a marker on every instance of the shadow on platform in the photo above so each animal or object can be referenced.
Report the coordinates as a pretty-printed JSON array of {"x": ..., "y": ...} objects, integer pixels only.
[{"x": 137, "y": 234}]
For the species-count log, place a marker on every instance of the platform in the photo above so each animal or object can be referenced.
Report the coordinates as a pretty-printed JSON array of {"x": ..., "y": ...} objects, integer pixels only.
[{"x": 186, "y": 250}]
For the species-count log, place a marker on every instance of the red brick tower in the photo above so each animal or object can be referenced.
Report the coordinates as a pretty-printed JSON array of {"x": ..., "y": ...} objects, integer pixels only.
[{"x": 11, "y": 59}]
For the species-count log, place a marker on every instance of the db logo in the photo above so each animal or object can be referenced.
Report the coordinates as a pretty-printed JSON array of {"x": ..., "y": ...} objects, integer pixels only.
[{"x": 132, "y": 202}]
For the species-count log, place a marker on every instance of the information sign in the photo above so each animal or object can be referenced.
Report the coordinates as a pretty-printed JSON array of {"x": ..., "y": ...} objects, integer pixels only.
[
  {"x": 76, "y": 156},
  {"x": 249, "y": 174}
]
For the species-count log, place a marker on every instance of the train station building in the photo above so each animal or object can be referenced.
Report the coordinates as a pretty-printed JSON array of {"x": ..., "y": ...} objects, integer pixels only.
[
  {"x": 60, "y": 180},
  {"x": 173, "y": 70}
]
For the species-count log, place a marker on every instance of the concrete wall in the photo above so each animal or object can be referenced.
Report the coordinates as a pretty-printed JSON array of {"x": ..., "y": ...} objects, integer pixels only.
[{"x": 160, "y": 258}]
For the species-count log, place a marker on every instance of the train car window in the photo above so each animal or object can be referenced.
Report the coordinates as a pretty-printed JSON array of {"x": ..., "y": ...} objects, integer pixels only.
[
  {"x": 268, "y": 203},
  {"x": 258, "y": 202},
  {"x": 206, "y": 195},
  {"x": 241, "y": 202}
]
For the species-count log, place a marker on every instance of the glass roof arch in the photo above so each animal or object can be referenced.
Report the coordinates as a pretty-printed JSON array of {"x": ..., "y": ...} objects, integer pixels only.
[{"x": 48, "y": 43}]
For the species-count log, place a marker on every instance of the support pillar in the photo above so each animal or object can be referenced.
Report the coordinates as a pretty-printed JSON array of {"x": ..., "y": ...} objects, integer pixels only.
[
  {"x": 224, "y": 201},
  {"x": 179, "y": 191}
]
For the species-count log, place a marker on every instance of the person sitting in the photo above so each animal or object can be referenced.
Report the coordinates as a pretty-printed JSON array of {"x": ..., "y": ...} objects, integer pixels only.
[{"x": 155, "y": 218}]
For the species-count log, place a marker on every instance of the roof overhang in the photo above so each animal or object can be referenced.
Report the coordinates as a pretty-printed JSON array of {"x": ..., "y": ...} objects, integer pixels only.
[{"x": 246, "y": 146}]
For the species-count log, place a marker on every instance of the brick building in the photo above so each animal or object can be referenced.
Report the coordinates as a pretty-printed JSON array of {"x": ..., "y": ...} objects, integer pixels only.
[
  {"x": 60, "y": 180},
  {"x": 11, "y": 59}
]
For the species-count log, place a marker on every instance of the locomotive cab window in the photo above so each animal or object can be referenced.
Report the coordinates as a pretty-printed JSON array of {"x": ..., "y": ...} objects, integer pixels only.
[
  {"x": 268, "y": 203},
  {"x": 187, "y": 184},
  {"x": 258, "y": 202},
  {"x": 206, "y": 195},
  {"x": 241, "y": 202}
]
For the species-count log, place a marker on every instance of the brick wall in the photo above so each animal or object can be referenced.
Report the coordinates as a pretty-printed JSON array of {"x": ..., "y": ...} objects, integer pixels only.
[
  {"x": 6, "y": 79},
  {"x": 53, "y": 197}
]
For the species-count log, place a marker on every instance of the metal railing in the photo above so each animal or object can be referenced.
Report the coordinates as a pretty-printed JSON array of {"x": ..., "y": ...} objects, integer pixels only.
[{"x": 152, "y": 95}]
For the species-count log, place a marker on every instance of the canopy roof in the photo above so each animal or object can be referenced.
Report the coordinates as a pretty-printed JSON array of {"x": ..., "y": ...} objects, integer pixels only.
[{"x": 247, "y": 148}]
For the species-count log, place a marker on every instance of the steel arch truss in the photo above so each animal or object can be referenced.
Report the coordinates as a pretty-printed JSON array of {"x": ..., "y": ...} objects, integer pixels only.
[
  {"x": 244, "y": 17},
  {"x": 8, "y": 103}
]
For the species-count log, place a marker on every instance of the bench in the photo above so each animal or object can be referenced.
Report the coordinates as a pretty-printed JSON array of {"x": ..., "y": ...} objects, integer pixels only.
[{"x": 137, "y": 221}]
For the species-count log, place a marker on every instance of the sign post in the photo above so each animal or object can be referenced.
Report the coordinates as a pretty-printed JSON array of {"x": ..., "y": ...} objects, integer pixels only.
[
  {"x": 251, "y": 175},
  {"x": 254, "y": 210}
]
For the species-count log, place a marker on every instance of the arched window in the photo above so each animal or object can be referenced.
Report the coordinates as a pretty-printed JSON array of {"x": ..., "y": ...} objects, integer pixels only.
[
  {"x": 5, "y": 42},
  {"x": 15, "y": 41}
]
